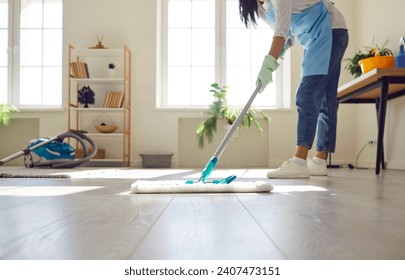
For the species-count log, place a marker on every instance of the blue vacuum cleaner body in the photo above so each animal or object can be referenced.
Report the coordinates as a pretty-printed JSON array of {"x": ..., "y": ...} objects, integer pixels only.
[{"x": 50, "y": 151}]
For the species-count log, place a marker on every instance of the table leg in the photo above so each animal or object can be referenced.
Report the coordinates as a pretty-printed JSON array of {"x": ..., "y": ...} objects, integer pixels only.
[
  {"x": 377, "y": 106},
  {"x": 381, "y": 121}
]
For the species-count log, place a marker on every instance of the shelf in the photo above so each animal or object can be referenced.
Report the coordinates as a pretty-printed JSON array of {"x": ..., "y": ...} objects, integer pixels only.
[
  {"x": 99, "y": 81},
  {"x": 81, "y": 109},
  {"x": 109, "y": 159},
  {"x": 96, "y": 134},
  {"x": 98, "y": 52}
]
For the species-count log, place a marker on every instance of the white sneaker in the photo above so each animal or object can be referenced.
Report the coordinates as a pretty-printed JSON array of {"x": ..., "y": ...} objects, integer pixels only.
[
  {"x": 316, "y": 169},
  {"x": 289, "y": 169}
]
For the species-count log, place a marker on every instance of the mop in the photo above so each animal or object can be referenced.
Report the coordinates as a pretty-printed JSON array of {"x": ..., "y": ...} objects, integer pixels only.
[{"x": 226, "y": 185}]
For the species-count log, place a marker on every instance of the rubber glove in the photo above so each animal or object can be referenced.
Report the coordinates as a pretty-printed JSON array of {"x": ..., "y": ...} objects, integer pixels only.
[
  {"x": 283, "y": 51},
  {"x": 287, "y": 45},
  {"x": 266, "y": 72}
]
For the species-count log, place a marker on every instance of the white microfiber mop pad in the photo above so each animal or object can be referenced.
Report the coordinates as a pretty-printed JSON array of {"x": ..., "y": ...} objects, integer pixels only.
[{"x": 181, "y": 187}]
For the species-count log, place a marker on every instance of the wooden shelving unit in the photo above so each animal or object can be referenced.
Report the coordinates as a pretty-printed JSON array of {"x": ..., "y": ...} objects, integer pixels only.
[{"x": 117, "y": 145}]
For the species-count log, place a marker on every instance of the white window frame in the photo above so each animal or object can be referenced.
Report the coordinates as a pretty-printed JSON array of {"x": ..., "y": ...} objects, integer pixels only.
[
  {"x": 13, "y": 95},
  {"x": 283, "y": 82}
]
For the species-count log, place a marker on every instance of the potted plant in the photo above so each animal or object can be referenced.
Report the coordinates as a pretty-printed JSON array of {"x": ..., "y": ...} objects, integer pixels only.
[
  {"x": 372, "y": 57},
  {"x": 219, "y": 110},
  {"x": 5, "y": 111},
  {"x": 86, "y": 96}
]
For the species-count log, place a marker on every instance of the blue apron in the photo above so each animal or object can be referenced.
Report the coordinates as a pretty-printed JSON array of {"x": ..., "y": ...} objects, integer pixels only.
[{"x": 313, "y": 29}]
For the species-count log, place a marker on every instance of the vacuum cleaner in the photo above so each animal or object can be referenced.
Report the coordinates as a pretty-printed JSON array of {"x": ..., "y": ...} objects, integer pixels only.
[{"x": 54, "y": 152}]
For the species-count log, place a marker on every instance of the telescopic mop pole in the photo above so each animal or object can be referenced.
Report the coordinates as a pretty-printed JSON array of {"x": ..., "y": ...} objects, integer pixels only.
[{"x": 209, "y": 167}]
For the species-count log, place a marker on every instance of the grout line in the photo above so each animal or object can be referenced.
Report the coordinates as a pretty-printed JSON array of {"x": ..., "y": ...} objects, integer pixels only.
[
  {"x": 150, "y": 228},
  {"x": 264, "y": 231}
]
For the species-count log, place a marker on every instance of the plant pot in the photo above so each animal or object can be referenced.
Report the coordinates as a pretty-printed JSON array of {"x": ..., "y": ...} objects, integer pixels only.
[
  {"x": 370, "y": 63},
  {"x": 235, "y": 135}
]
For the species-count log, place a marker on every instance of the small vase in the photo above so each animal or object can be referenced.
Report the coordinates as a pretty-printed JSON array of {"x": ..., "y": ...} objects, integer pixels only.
[{"x": 111, "y": 73}]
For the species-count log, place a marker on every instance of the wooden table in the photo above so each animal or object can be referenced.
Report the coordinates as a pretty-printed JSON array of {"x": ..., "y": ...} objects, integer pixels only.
[{"x": 375, "y": 87}]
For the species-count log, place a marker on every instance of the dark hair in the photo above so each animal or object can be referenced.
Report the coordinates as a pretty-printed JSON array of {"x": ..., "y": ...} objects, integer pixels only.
[{"x": 248, "y": 12}]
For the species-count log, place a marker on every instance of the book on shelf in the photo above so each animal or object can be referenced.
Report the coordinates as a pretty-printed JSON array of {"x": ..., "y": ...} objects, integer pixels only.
[
  {"x": 79, "y": 70},
  {"x": 114, "y": 99}
]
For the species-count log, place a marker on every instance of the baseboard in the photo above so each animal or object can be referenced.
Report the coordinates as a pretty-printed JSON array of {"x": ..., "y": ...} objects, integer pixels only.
[
  {"x": 365, "y": 164},
  {"x": 343, "y": 163},
  {"x": 396, "y": 165},
  {"x": 275, "y": 164}
]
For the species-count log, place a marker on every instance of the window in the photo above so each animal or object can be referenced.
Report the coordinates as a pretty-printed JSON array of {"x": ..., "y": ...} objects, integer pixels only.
[
  {"x": 3, "y": 51},
  {"x": 31, "y": 53},
  {"x": 204, "y": 41}
]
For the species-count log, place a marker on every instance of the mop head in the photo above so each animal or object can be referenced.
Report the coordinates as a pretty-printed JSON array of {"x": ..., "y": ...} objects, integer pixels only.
[{"x": 140, "y": 186}]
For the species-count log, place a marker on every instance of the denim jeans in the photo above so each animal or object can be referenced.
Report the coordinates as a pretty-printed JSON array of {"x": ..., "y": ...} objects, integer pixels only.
[{"x": 316, "y": 100}]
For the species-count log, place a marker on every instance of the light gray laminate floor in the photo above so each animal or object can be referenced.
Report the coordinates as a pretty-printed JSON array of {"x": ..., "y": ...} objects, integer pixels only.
[{"x": 351, "y": 214}]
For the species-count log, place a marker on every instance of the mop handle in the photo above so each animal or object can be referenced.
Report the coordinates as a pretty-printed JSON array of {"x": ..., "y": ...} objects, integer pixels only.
[
  {"x": 26, "y": 151},
  {"x": 236, "y": 123}
]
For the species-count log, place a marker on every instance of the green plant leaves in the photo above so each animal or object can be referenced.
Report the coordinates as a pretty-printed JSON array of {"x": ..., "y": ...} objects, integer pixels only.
[
  {"x": 219, "y": 110},
  {"x": 206, "y": 130},
  {"x": 353, "y": 63},
  {"x": 5, "y": 111}
]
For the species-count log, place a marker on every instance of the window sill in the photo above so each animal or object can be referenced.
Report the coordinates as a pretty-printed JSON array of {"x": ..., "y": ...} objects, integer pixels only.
[
  {"x": 202, "y": 110},
  {"x": 40, "y": 110}
]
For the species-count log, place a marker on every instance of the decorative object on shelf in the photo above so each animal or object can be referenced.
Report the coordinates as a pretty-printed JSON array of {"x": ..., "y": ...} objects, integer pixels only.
[
  {"x": 99, "y": 42},
  {"x": 372, "y": 57},
  {"x": 5, "y": 111},
  {"x": 86, "y": 96},
  {"x": 111, "y": 70},
  {"x": 400, "y": 58},
  {"x": 104, "y": 128},
  {"x": 219, "y": 110}
]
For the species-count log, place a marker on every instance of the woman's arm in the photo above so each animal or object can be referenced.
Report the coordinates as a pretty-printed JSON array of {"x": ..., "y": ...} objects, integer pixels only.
[{"x": 276, "y": 47}]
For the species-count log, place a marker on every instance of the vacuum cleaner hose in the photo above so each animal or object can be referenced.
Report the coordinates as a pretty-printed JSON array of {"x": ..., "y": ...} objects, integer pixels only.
[{"x": 82, "y": 139}]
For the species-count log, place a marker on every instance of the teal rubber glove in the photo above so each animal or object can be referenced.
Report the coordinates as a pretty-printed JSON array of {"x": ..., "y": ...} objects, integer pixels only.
[
  {"x": 287, "y": 45},
  {"x": 266, "y": 72},
  {"x": 283, "y": 51}
]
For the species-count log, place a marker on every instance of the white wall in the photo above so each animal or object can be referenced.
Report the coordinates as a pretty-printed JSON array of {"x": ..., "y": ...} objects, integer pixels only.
[
  {"x": 135, "y": 23},
  {"x": 381, "y": 21}
]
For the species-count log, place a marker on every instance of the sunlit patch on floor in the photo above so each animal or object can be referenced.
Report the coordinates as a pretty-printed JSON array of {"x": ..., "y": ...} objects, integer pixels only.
[
  {"x": 298, "y": 188},
  {"x": 44, "y": 191}
]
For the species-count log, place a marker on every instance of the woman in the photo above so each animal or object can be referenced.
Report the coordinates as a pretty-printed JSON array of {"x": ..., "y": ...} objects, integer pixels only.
[{"x": 321, "y": 30}]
